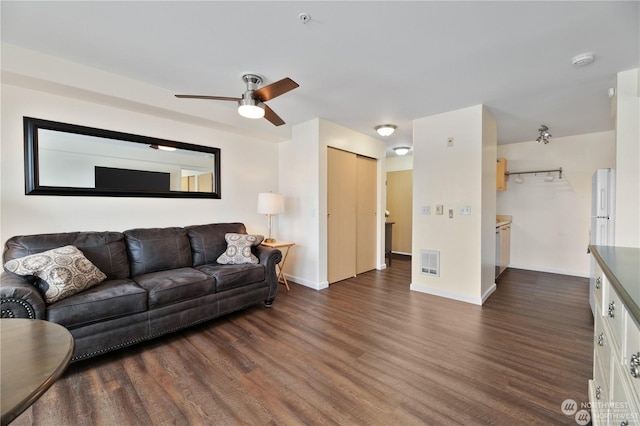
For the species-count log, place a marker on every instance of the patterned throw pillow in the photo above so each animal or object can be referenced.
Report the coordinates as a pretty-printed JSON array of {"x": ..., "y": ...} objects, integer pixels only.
[
  {"x": 239, "y": 249},
  {"x": 64, "y": 270}
]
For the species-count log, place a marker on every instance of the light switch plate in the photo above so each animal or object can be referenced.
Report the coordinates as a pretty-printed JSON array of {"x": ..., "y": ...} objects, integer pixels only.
[
  {"x": 439, "y": 209},
  {"x": 450, "y": 213},
  {"x": 465, "y": 210},
  {"x": 426, "y": 210}
]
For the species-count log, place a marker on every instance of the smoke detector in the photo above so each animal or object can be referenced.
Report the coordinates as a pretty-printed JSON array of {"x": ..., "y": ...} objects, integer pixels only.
[
  {"x": 304, "y": 17},
  {"x": 582, "y": 59}
]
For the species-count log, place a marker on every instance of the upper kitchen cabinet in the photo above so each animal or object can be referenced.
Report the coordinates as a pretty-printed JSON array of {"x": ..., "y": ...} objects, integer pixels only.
[{"x": 501, "y": 177}]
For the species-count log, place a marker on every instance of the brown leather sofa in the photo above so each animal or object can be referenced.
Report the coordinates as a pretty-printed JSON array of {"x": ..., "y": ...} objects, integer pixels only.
[{"x": 159, "y": 280}]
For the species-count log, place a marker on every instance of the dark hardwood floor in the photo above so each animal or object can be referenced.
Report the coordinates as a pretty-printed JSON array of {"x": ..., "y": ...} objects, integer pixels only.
[{"x": 365, "y": 351}]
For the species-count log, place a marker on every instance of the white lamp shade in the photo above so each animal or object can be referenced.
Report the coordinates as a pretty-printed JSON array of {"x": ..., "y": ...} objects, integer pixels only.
[{"x": 270, "y": 203}]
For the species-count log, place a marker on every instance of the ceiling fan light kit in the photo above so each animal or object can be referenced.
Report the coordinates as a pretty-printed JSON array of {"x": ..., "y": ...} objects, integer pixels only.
[
  {"x": 252, "y": 103},
  {"x": 544, "y": 134},
  {"x": 250, "y": 108},
  {"x": 386, "y": 129}
]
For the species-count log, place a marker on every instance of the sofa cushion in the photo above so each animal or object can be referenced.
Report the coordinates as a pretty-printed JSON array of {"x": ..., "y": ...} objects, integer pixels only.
[
  {"x": 239, "y": 248},
  {"x": 106, "y": 250},
  {"x": 157, "y": 249},
  {"x": 109, "y": 299},
  {"x": 176, "y": 285},
  {"x": 207, "y": 241},
  {"x": 232, "y": 276},
  {"x": 64, "y": 271}
]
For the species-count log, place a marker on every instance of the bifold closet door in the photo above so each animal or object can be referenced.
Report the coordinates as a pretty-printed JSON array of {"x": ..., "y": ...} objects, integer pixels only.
[
  {"x": 341, "y": 215},
  {"x": 366, "y": 213}
]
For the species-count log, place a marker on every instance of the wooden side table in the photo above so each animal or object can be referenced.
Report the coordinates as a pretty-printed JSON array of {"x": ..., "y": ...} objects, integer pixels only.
[{"x": 286, "y": 245}]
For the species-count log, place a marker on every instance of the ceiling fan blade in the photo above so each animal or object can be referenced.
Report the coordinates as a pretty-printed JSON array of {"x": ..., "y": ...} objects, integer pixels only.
[
  {"x": 215, "y": 98},
  {"x": 274, "y": 118},
  {"x": 275, "y": 89}
]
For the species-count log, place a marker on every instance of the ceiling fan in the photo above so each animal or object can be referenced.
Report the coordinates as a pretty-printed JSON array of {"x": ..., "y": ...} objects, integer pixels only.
[{"x": 251, "y": 104}]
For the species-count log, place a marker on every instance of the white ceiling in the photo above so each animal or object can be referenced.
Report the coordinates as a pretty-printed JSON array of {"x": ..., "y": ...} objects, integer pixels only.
[{"x": 359, "y": 63}]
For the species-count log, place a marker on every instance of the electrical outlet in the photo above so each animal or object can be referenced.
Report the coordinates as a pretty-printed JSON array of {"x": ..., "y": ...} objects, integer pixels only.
[
  {"x": 465, "y": 210},
  {"x": 450, "y": 141},
  {"x": 426, "y": 210},
  {"x": 439, "y": 209}
]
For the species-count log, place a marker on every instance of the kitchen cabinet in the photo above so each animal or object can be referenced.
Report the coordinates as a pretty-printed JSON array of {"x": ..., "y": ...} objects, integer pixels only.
[
  {"x": 501, "y": 177},
  {"x": 615, "y": 387},
  {"x": 503, "y": 245}
]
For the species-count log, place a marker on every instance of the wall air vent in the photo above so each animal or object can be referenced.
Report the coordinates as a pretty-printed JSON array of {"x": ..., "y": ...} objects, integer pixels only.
[{"x": 430, "y": 262}]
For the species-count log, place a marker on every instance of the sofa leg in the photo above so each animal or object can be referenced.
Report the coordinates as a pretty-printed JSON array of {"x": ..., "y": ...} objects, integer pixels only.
[{"x": 268, "y": 303}]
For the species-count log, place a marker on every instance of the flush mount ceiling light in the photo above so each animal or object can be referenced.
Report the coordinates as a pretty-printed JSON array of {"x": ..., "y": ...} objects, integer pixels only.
[
  {"x": 544, "y": 134},
  {"x": 401, "y": 150},
  {"x": 249, "y": 107},
  {"x": 386, "y": 129}
]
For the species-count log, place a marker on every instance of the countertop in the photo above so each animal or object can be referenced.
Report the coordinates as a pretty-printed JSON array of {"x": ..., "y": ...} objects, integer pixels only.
[
  {"x": 621, "y": 265},
  {"x": 502, "y": 219}
]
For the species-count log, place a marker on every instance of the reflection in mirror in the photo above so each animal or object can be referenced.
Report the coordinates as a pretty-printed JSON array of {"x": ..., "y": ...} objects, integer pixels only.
[{"x": 64, "y": 159}]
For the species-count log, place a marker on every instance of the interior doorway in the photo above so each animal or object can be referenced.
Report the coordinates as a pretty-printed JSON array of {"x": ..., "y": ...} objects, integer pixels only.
[{"x": 400, "y": 208}]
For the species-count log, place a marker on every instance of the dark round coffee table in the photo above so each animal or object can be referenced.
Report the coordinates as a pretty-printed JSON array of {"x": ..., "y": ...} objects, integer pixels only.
[{"x": 34, "y": 354}]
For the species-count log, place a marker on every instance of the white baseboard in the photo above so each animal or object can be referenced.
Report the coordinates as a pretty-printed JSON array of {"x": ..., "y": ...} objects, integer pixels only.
[
  {"x": 381, "y": 266},
  {"x": 449, "y": 295},
  {"x": 489, "y": 292},
  {"x": 551, "y": 270},
  {"x": 307, "y": 283}
]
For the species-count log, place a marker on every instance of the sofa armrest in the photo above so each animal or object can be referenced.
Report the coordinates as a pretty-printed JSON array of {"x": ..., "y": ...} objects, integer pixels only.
[
  {"x": 19, "y": 298},
  {"x": 270, "y": 257}
]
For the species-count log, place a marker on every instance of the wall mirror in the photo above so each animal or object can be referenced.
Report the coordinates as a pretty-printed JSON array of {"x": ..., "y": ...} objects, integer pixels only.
[{"x": 67, "y": 159}]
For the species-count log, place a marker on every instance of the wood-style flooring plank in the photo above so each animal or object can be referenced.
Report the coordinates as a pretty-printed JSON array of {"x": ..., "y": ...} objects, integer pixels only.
[{"x": 365, "y": 351}]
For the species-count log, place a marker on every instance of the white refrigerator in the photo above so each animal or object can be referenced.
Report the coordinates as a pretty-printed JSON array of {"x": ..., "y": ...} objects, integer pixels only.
[{"x": 603, "y": 204}]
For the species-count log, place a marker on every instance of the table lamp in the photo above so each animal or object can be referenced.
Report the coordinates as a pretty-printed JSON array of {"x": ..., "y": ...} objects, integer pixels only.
[{"x": 271, "y": 204}]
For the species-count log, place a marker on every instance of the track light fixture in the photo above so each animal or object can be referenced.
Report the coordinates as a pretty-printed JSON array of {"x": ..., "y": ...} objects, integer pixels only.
[{"x": 544, "y": 134}]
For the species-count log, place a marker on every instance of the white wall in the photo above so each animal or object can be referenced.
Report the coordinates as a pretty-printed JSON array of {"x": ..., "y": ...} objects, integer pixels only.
[
  {"x": 551, "y": 220},
  {"x": 627, "y": 159},
  {"x": 454, "y": 176},
  {"x": 303, "y": 181},
  {"x": 399, "y": 163},
  {"x": 249, "y": 166},
  {"x": 488, "y": 204},
  {"x": 301, "y": 186}
]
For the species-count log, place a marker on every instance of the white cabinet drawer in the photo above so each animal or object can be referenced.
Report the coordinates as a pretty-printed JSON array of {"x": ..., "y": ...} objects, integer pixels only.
[
  {"x": 598, "y": 285},
  {"x": 600, "y": 395},
  {"x": 602, "y": 350},
  {"x": 631, "y": 358},
  {"x": 614, "y": 313},
  {"x": 623, "y": 407}
]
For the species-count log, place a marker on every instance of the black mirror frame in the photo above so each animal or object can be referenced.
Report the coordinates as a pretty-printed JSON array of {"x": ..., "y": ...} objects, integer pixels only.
[{"x": 32, "y": 175}]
